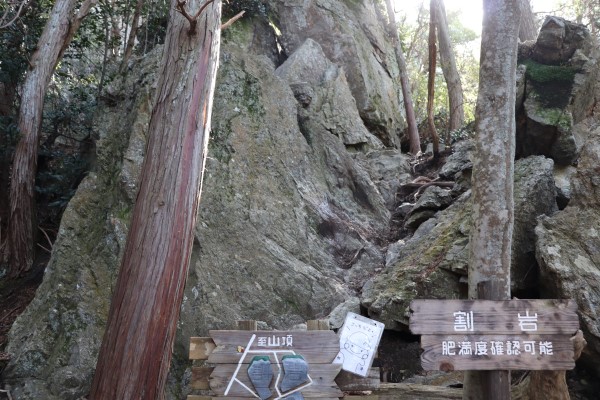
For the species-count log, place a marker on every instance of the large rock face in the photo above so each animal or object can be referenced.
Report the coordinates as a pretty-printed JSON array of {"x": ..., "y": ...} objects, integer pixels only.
[
  {"x": 568, "y": 248},
  {"x": 431, "y": 263},
  {"x": 352, "y": 37},
  {"x": 290, "y": 223}
]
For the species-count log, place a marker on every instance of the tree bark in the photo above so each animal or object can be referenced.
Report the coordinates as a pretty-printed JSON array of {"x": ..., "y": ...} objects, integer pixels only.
[
  {"x": 448, "y": 63},
  {"x": 57, "y": 34},
  {"x": 492, "y": 180},
  {"x": 413, "y": 132},
  {"x": 136, "y": 350},
  {"x": 435, "y": 138},
  {"x": 528, "y": 26}
]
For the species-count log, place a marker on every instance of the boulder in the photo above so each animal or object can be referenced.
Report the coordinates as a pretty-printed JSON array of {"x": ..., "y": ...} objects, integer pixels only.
[
  {"x": 533, "y": 180},
  {"x": 560, "y": 78},
  {"x": 557, "y": 41},
  {"x": 430, "y": 264},
  {"x": 432, "y": 200},
  {"x": 309, "y": 65},
  {"x": 568, "y": 248},
  {"x": 389, "y": 169},
  {"x": 353, "y": 38}
]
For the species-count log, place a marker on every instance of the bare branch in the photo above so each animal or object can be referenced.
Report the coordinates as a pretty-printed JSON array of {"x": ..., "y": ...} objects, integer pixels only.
[
  {"x": 4, "y": 17},
  {"x": 232, "y": 20},
  {"x": 191, "y": 18}
]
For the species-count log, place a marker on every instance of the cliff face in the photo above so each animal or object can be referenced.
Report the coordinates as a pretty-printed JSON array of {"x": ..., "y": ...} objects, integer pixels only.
[{"x": 293, "y": 213}]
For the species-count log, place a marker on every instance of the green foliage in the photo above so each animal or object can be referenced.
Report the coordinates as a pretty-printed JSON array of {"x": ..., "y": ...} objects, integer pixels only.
[
  {"x": 414, "y": 37},
  {"x": 542, "y": 73}
]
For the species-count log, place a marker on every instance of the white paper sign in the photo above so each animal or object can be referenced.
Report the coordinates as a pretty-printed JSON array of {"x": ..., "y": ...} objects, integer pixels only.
[{"x": 359, "y": 338}]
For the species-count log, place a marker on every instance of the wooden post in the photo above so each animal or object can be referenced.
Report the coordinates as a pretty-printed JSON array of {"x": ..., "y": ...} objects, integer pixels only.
[
  {"x": 247, "y": 325},
  {"x": 317, "y": 325},
  {"x": 496, "y": 383}
]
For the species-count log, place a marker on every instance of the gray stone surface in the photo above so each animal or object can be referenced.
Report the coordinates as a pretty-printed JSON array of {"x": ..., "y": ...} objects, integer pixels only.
[
  {"x": 557, "y": 41},
  {"x": 353, "y": 38},
  {"x": 534, "y": 196},
  {"x": 389, "y": 169},
  {"x": 568, "y": 249},
  {"x": 559, "y": 91},
  {"x": 55, "y": 342},
  {"x": 431, "y": 262}
]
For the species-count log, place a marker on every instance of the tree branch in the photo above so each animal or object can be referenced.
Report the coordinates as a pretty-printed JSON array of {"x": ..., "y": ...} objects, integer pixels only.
[
  {"x": 17, "y": 14},
  {"x": 193, "y": 19},
  {"x": 232, "y": 20}
]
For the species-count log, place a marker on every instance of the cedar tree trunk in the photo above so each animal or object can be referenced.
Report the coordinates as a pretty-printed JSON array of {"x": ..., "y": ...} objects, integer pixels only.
[
  {"x": 136, "y": 350},
  {"x": 58, "y": 32},
  {"x": 492, "y": 180},
  {"x": 448, "y": 62},
  {"x": 413, "y": 132},
  {"x": 435, "y": 138}
]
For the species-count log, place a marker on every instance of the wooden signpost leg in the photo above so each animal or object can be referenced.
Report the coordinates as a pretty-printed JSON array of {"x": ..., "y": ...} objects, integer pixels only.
[{"x": 494, "y": 384}]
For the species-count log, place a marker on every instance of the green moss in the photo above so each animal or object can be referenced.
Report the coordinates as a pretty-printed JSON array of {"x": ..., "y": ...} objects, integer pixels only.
[
  {"x": 557, "y": 117},
  {"x": 541, "y": 73}
]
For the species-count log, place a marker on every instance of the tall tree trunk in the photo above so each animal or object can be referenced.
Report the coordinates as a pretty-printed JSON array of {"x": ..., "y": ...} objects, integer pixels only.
[
  {"x": 136, "y": 349},
  {"x": 132, "y": 34},
  {"x": 435, "y": 138},
  {"x": 448, "y": 62},
  {"x": 57, "y": 34},
  {"x": 413, "y": 132},
  {"x": 492, "y": 181},
  {"x": 528, "y": 26}
]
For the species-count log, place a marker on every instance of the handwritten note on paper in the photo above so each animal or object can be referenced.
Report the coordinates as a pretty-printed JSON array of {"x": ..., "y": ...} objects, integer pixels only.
[{"x": 359, "y": 338}]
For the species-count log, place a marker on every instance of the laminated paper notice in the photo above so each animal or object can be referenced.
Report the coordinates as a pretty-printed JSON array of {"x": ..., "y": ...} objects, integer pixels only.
[{"x": 359, "y": 338}]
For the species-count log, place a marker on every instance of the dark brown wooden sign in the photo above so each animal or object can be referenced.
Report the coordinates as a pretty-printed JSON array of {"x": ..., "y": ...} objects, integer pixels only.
[
  {"x": 231, "y": 353},
  {"x": 496, "y": 352},
  {"x": 435, "y": 317},
  {"x": 495, "y": 335}
]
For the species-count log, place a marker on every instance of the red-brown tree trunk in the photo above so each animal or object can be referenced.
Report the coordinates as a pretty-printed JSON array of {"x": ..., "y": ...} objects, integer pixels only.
[
  {"x": 58, "y": 32},
  {"x": 435, "y": 138},
  {"x": 413, "y": 132},
  {"x": 136, "y": 350},
  {"x": 448, "y": 63}
]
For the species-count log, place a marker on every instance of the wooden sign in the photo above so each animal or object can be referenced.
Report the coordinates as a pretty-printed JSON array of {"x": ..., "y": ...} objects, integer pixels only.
[
  {"x": 495, "y": 335},
  {"x": 233, "y": 353},
  {"x": 434, "y": 317}
]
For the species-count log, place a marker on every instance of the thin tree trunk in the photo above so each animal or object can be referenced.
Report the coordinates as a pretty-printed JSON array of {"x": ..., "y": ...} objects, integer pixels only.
[
  {"x": 413, "y": 132},
  {"x": 451, "y": 75},
  {"x": 492, "y": 181},
  {"x": 527, "y": 28},
  {"x": 136, "y": 350},
  {"x": 57, "y": 34},
  {"x": 132, "y": 34},
  {"x": 435, "y": 138}
]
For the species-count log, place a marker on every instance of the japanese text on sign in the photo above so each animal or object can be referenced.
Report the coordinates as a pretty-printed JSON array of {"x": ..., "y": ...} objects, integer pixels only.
[
  {"x": 496, "y": 348},
  {"x": 275, "y": 341},
  {"x": 463, "y": 321}
]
